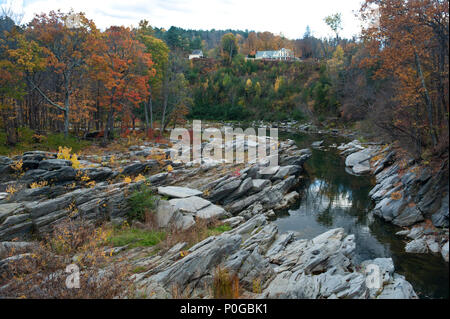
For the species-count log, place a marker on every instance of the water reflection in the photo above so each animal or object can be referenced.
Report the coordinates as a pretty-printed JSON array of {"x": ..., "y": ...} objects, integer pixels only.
[{"x": 332, "y": 198}]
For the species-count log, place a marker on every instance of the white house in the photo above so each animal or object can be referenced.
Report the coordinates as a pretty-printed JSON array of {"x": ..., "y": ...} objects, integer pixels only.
[
  {"x": 196, "y": 54},
  {"x": 282, "y": 55}
]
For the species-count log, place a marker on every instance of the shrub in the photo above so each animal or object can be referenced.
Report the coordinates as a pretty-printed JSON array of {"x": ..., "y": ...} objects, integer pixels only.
[{"x": 141, "y": 201}]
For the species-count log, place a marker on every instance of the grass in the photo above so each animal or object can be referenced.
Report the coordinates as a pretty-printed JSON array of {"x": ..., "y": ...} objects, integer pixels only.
[
  {"x": 214, "y": 231},
  {"x": 29, "y": 141},
  {"x": 139, "y": 269},
  {"x": 136, "y": 237}
]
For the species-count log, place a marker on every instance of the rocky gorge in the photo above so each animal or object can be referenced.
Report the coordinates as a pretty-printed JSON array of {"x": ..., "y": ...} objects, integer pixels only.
[
  {"x": 267, "y": 262},
  {"x": 406, "y": 195}
]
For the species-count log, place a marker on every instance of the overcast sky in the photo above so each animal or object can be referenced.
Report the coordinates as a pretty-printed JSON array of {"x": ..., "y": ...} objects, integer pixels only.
[{"x": 288, "y": 17}]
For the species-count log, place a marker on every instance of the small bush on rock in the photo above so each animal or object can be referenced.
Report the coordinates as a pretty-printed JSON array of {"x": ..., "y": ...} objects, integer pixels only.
[{"x": 141, "y": 201}]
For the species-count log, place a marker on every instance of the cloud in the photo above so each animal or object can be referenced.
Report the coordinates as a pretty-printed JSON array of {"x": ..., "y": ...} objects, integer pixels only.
[{"x": 289, "y": 17}]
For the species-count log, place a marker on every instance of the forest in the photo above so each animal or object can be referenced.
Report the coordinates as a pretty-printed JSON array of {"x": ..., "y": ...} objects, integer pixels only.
[{"x": 61, "y": 81}]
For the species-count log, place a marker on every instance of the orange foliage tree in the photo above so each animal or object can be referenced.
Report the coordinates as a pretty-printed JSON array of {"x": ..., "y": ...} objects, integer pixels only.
[
  {"x": 408, "y": 40},
  {"x": 123, "y": 67}
]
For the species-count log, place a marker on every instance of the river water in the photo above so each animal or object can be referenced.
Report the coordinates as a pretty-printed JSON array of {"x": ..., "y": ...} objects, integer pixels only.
[{"x": 332, "y": 198}]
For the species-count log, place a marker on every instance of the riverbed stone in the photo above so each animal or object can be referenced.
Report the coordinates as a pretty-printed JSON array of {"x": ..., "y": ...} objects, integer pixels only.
[
  {"x": 398, "y": 289},
  {"x": 417, "y": 246},
  {"x": 444, "y": 251}
]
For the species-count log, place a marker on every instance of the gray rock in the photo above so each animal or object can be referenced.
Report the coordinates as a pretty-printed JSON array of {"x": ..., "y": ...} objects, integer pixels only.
[
  {"x": 268, "y": 172},
  {"x": 259, "y": 184},
  {"x": 98, "y": 173},
  {"x": 234, "y": 221},
  {"x": 190, "y": 204},
  {"x": 415, "y": 232},
  {"x": 52, "y": 164},
  {"x": 317, "y": 144},
  {"x": 363, "y": 168},
  {"x": 138, "y": 168},
  {"x": 441, "y": 217},
  {"x": 14, "y": 246},
  {"x": 224, "y": 190},
  {"x": 15, "y": 219},
  {"x": 286, "y": 171},
  {"x": 398, "y": 289},
  {"x": 164, "y": 214},
  {"x": 21, "y": 230},
  {"x": 408, "y": 216},
  {"x": 403, "y": 232},
  {"x": 158, "y": 177},
  {"x": 178, "y": 192},
  {"x": 212, "y": 211},
  {"x": 444, "y": 251},
  {"x": 200, "y": 263},
  {"x": 417, "y": 246},
  {"x": 432, "y": 244},
  {"x": 386, "y": 267},
  {"x": 10, "y": 209},
  {"x": 184, "y": 222},
  {"x": 243, "y": 188}
]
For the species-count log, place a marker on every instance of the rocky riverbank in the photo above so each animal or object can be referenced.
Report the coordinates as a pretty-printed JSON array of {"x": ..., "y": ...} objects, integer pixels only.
[
  {"x": 45, "y": 190},
  {"x": 406, "y": 194}
]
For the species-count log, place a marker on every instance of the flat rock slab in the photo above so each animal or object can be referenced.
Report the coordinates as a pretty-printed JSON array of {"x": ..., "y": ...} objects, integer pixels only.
[
  {"x": 359, "y": 157},
  {"x": 178, "y": 192},
  {"x": 190, "y": 204},
  {"x": 268, "y": 172}
]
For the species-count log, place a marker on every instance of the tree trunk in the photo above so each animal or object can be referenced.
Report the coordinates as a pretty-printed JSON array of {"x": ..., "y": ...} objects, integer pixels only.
[
  {"x": 10, "y": 124},
  {"x": 150, "y": 104},
  {"x": 146, "y": 118},
  {"x": 428, "y": 102}
]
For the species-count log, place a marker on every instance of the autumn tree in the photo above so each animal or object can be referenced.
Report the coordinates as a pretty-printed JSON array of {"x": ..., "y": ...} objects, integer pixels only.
[
  {"x": 408, "y": 40},
  {"x": 334, "y": 21},
  {"x": 11, "y": 80},
  {"x": 67, "y": 47},
  {"x": 229, "y": 47},
  {"x": 123, "y": 67},
  {"x": 160, "y": 56}
]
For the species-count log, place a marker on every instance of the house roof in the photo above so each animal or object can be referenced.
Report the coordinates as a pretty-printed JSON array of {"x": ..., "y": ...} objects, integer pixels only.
[{"x": 197, "y": 52}]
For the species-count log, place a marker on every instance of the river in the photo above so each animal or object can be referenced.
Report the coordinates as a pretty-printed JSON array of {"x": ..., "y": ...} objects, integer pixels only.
[{"x": 332, "y": 198}]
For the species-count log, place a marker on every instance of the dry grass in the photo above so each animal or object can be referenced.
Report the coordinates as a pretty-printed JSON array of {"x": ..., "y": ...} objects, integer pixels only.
[
  {"x": 41, "y": 273},
  {"x": 225, "y": 284},
  {"x": 200, "y": 231},
  {"x": 396, "y": 195}
]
